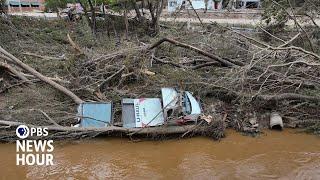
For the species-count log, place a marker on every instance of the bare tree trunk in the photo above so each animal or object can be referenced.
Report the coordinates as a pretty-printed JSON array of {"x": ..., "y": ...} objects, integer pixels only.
[
  {"x": 155, "y": 9},
  {"x": 143, "y": 5},
  {"x": 151, "y": 9},
  {"x": 206, "y": 5},
  {"x": 85, "y": 13},
  {"x": 92, "y": 21},
  {"x": 136, "y": 8},
  {"x": 160, "y": 5},
  {"x": 125, "y": 15},
  {"x": 93, "y": 17},
  {"x": 105, "y": 18}
]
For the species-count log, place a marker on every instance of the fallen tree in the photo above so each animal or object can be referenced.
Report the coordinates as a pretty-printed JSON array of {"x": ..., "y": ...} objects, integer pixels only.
[
  {"x": 187, "y": 46},
  {"x": 14, "y": 71},
  {"x": 214, "y": 130},
  {"x": 41, "y": 77},
  {"x": 123, "y": 53}
]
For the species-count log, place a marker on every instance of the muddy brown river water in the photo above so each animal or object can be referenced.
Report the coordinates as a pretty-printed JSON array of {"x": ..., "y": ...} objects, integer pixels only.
[{"x": 272, "y": 155}]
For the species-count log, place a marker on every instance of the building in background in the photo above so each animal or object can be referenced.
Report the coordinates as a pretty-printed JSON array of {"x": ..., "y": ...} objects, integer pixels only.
[
  {"x": 248, "y": 4},
  {"x": 174, "y": 5},
  {"x": 245, "y": 4},
  {"x": 25, "y": 5},
  {"x": 215, "y": 4}
]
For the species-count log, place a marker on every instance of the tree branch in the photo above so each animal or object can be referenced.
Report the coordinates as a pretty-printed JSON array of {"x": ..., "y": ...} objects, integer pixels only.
[
  {"x": 42, "y": 77},
  {"x": 187, "y": 46}
]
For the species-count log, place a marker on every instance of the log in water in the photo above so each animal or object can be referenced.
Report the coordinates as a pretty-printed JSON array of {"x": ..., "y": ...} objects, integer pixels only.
[{"x": 285, "y": 154}]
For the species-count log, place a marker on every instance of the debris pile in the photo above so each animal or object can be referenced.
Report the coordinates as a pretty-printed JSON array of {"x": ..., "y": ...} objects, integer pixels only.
[{"x": 238, "y": 78}]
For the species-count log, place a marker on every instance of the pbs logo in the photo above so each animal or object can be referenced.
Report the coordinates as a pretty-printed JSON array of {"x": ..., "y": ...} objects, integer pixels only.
[{"x": 22, "y": 131}]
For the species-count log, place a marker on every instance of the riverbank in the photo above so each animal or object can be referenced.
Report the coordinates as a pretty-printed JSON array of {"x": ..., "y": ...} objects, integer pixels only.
[{"x": 230, "y": 75}]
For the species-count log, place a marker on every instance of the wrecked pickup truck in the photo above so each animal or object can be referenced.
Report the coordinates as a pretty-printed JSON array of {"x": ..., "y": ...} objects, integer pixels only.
[{"x": 177, "y": 107}]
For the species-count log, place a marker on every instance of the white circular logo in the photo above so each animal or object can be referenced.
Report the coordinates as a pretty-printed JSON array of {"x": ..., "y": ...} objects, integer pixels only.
[{"x": 22, "y": 131}]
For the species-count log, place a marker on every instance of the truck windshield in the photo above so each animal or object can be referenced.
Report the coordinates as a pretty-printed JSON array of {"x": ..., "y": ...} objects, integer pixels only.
[{"x": 187, "y": 104}]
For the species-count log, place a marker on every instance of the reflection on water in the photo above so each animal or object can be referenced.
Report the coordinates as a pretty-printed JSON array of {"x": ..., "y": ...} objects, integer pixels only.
[{"x": 273, "y": 155}]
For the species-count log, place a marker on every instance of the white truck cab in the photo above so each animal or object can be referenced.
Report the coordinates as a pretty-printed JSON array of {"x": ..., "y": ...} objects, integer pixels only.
[{"x": 145, "y": 112}]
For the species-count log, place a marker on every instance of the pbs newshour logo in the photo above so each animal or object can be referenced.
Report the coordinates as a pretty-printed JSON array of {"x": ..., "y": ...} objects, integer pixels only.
[
  {"x": 33, "y": 152},
  {"x": 22, "y": 131}
]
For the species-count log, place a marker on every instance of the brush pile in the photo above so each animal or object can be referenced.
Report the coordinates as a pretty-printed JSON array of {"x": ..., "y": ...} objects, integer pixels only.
[{"x": 235, "y": 73}]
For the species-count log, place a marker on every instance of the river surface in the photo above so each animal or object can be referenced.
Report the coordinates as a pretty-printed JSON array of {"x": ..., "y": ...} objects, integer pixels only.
[{"x": 272, "y": 155}]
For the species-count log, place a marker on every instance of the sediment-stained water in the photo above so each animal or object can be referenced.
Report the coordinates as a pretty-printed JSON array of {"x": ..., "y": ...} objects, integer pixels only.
[{"x": 272, "y": 155}]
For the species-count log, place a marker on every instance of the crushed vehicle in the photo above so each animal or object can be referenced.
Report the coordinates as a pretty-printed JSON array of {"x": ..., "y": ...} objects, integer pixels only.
[{"x": 177, "y": 107}]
